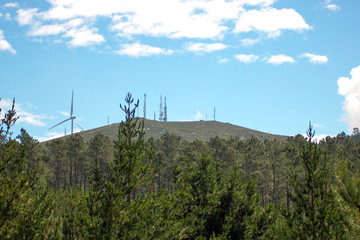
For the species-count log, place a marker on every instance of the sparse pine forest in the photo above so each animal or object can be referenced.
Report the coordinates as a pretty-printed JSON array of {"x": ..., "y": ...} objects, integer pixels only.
[{"x": 167, "y": 188}]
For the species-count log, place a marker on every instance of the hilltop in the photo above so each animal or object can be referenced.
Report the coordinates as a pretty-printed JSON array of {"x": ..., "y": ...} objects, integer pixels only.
[{"x": 188, "y": 131}]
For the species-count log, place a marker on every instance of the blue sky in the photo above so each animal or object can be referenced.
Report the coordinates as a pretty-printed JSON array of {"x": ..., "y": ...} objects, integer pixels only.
[{"x": 269, "y": 65}]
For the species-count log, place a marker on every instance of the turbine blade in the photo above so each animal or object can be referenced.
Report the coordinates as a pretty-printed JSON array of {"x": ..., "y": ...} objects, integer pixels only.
[
  {"x": 78, "y": 125},
  {"x": 72, "y": 104},
  {"x": 59, "y": 123}
]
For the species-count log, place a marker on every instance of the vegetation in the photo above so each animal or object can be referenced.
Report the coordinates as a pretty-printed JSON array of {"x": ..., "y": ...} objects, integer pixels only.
[{"x": 168, "y": 188}]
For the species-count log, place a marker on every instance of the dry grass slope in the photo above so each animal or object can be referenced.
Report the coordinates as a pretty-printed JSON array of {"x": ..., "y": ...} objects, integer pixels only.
[{"x": 188, "y": 131}]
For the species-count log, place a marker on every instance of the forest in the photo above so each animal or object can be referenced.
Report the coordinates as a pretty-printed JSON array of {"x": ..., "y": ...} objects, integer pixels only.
[{"x": 168, "y": 188}]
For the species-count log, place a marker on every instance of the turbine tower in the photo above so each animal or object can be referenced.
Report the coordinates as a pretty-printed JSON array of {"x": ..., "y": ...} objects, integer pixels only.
[{"x": 72, "y": 118}]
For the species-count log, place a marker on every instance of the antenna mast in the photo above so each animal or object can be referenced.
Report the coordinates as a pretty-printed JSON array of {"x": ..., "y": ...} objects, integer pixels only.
[
  {"x": 165, "y": 111},
  {"x": 161, "y": 117},
  {"x": 214, "y": 114},
  {"x": 144, "y": 105}
]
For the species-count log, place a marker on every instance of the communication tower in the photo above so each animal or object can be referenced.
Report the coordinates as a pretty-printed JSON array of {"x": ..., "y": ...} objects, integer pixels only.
[
  {"x": 144, "y": 105},
  {"x": 165, "y": 111},
  {"x": 161, "y": 116}
]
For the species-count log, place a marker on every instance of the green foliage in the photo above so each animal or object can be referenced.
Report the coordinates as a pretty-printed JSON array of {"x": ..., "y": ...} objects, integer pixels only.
[
  {"x": 25, "y": 205},
  {"x": 348, "y": 189},
  {"x": 78, "y": 165},
  {"x": 173, "y": 189},
  {"x": 314, "y": 212},
  {"x": 100, "y": 149},
  {"x": 132, "y": 160},
  {"x": 55, "y": 157}
]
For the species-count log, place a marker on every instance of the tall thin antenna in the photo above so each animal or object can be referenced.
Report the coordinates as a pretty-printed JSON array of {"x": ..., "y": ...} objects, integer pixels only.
[
  {"x": 144, "y": 105},
  {"x": 108, "y": 120},
  {"x": 161, "y": 116},
  {"x": 154, "y": 116},
  {"x": 165, "y": 111},
  {"x": 214, "y": 114}
]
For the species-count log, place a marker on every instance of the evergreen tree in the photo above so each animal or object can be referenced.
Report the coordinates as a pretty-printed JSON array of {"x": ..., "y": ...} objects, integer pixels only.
[
  {"x": 132, "y": 161},
  {"x": 348, "y": 189},
  {"x": 100, "y": 149},
  {"x": 314, "y": 212},
  {"x": 25, "y": 205},
  {"x": 78, "y": 165},
  {"x": 57, "y": 163}
]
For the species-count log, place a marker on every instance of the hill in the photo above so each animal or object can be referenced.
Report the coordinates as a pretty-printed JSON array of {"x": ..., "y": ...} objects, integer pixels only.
[{"x": 189, "y": 131}]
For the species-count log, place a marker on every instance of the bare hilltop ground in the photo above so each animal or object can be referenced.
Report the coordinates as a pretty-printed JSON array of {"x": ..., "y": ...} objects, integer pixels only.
[{"x": 188, "y": 131}]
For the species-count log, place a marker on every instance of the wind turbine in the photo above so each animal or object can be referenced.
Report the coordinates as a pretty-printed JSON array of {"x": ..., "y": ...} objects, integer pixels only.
[{"x": 72, "y": 118}]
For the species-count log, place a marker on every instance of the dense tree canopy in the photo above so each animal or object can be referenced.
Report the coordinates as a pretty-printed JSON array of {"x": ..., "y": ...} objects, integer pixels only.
[{"x": 172, "y": 189}]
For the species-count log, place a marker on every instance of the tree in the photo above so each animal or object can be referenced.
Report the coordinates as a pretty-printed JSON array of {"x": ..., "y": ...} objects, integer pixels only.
[
  {"x": 25, "y": 204},
  {"x": 75, "y": 152},
  {"x": 348, "y": 189},
  {"x": 113, "y": 204},
  {"x": 56, "y": 161},
  {"x": 314, "y": 212},
  {"x": 132, "y": 160},
  {"x": 101, "y": 150}
]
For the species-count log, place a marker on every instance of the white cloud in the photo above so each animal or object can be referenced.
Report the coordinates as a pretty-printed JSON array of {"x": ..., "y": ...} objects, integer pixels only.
[
  {"x": 4, "y": 105},
  {"x": 318, "y": 138},
  {"x": 247, "y": 42},
  {"x": 11, "y": 5},
  {"x": 140, "y": 50},
  {"x": 55, "y": 29},
  {"x": 26, "y": 16},
  {"x": 66, "y": 114},
  {"x": 7, "y": 17},
  {"x": 24, "y": 115},
  {"x": 315, "y": 59},
  {"x": 329, "y": 5},
  {"x": 48, "y": 30},
  {"x": 194, "y": 19},
  {"x": 246, "y": 58},
  {"x": 223, "y": 60},
  {"x": 270, "y": 21},
  {"x": 280, "y": 59},
  {"x": 333, "y": 7},
  {"x": 30, "y": 118},
  {"x": 49, "y": 136},
  {"x": 84, "y": 37},
  {"x": 5, "y": 45},
  {"x": 205, "y": 47},
  {"x": 199, "y": 116},
  {"x": 349, "y": 87},
  {"x": 317, "y": 125}
]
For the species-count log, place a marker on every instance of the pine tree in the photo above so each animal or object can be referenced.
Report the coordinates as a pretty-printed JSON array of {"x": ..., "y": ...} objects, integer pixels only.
[
  {"x": 25, "y": 204},
  {"x": 314, "y": 212},
  {"x": 101, "y": 150},
  {"x": 132, "y": 161},
  {"x": 56, "y": 163},
  {"x": 348, "y": 190}
]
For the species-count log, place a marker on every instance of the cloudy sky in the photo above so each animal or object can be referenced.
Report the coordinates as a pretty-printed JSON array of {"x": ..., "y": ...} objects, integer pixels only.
[{"x": 269, "y": 65}]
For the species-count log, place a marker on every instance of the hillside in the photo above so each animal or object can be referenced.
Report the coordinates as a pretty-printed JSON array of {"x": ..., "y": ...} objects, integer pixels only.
[{"x": 189, "y": 131}]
